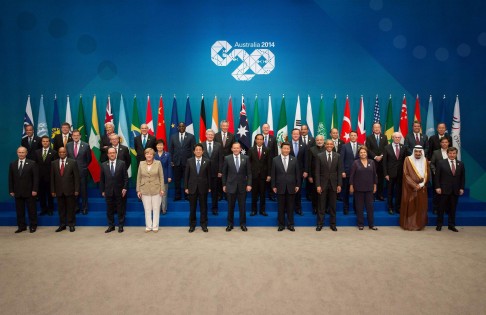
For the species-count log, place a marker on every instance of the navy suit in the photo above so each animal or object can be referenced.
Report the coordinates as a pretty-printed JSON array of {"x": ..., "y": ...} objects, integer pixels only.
[
  {"x": 112, "y": 185},
  {"x": 236, "y": 182},
  {"x": 22, "y": 184},
  {"x": 83, "y": 159},
  {"x": 179, "y": 153},
  {"x": 450, "y": 185},
  {"x": 140, "y": 148},
  {"x": 347, "y": 158}
]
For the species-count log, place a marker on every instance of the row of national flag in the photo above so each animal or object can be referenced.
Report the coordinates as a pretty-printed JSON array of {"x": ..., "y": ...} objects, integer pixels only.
[{"x": 243, "y": 132}]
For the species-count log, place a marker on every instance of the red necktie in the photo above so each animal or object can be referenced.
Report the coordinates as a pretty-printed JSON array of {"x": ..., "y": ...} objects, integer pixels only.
[
  {"x": 417, "y": 140},
  {"x": 75, "y": 149},
  {"x": 453, "y": 168},
  {"x": 62, "y": 167},
  {"x": 397, "y": 151},
  {"x": 259, "y": 153}
]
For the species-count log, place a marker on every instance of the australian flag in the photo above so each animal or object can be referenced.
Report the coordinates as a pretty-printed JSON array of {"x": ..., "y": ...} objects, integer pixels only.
[{"x": 243, "y": 129}]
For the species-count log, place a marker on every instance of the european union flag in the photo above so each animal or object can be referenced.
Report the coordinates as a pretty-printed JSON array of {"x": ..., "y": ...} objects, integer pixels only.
[{"x": 174, "y": 120}]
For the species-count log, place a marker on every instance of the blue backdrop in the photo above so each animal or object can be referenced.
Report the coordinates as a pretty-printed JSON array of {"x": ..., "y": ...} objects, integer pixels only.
[{"x": 309, "y": 47}]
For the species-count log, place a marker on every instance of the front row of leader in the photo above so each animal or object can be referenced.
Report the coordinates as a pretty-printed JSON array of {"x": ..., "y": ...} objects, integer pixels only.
[{"x": 237, "y": 181}]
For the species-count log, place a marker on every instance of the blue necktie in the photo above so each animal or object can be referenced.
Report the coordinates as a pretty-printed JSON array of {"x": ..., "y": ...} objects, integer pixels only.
[
  {"x": 296, "y": 148},
  {"x": 198, "y": 166},
  {"x": 144, "y": 141},
  {"x": 237, "y": 164},
  {"x": 112, "y": 169},
  {"x": 266, "y": 141}
]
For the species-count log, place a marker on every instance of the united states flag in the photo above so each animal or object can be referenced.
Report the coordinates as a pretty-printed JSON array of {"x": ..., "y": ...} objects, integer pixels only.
[{"x": 376, "y": 111}]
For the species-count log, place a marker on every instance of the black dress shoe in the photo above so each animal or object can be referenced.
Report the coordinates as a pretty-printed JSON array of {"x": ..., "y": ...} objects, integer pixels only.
[
  {"x": 32, "y": 229},
  {"x": 319, "y": 228},
  {"x": 244, "y": 228},
  {"x": 204, "y": 228},
  {"x": 263, "y": 213},
  {"x": 438, "y": 228},
  {"x": 72, "y": 229},
  {"x": 50, "y": 212},
  {"x": 78, "y": 211},
  {"x": 280, "y": 228},
  {"x": 61, "y": 228},
  {"x": 20, "y": 230},
  {"x": 314, "y": 211},
  {"x": 291, "y": 228},
  {"x": 85, "y": 212},
  {"x": 177, "y": 198},
  {"x": 120, "y": 229},
  {"x": 434, "y": 211},
  {"x": 374, "y": 228},
  {"x": 299, "y": 212},
  {"x": 390, "y": 211},
  {"x": 229, "y": 228},
  {"x": 253, "y": 213},
  {"x": 272, "y": 198},
  {"x": 191, "y": 229},
  {"x": 360, "y": 228},
  {"x": 452, "y": 228},
  {"x": 43, "y": 213},
  {"x": 110, "y": 229},
  {"x": 333, "y": 228},
  {"x": 381, "y": 198}
]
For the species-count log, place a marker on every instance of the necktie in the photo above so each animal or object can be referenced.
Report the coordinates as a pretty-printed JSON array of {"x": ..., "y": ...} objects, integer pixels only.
[
  {"x": 75, "y": 149},
  {"x": 198, "y": 166},
  {"x": 453, "y": 168},
  {"x": 296, "y": 148},
  {"x": 397, "y": 151},
  {"x": 354, "y": 149},
  {"x": 44, "y": 155},
  {"x": 224, "y": 139},
  {"x": 285, "y": 163},
  {"x": 335, "y": 145},
  {"x": 21, "y": 167},
  {"x": 259, "y": 153},
  {"x": 237, "y": 164},
  {"x": 30, "y": 141},
  {"x": 377, "y": 140},
  {"x": 182, "y": 137},
  {"x": 329, "y": 160},
  {"x": 210, "y": 150},
  {"x": 144, "y": 141},
  {"x": 305, "y": 139},
  {"x": 266, "y": 141},
  {"x": 64, "y": 141},
  {"x": 62, "y": 167},
  {"x": 417, "y": 139},
  {"x": 112, "y": 169}
]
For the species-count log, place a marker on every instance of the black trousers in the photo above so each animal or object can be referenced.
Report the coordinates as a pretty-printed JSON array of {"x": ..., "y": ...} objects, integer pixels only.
[
  {"x": 179, "y": 171},
  {"x": 45, "y": 197},
  {"x": 448, "y": 204},
  {"x": 82, "y": 199},
  {"x": 214, "y": 193},
  {"x": 66, "y": 206},
  {"x": 327, "y": 198},
  {"x": 20, "y": 204},
  {"x": 394, "y": 191},
  {"x": 114, "y": 204},
  {"x": 362, "y": 199},
  {"x": 345, "y": 194},
  {"x": 241, "y": 197},
  {"x": 258, "y": 192},
  {"x": 202, "y": 198},
  {"x": 286, "y": 203},
  {"x": 381, "y": 178}
]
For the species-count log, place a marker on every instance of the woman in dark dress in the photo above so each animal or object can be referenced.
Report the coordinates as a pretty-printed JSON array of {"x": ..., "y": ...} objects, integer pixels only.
[{"x": 363, "y": 180}]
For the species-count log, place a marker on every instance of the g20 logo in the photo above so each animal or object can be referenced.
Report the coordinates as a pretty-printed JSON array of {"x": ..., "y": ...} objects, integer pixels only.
[{"x": 260, "y": 61}]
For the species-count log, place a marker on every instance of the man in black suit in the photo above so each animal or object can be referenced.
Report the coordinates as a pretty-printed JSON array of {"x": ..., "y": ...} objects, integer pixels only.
[
  {"x": 329, "y": 169},
  {"x": 65, "y": 183},
  {"x": 376, "y": 143},
  {"x": 309, "y": 141},
  {"x": 416, "y": 138},
  {"x": 143, "y": 141},
  {"x": 438, "y": 155},
  {"x": 236, "y": 183},
  {"x": 286, "y": 179},
  {"x": 226, "y": 139},
  {"x": 214, "y": 153},
  {"x": 44, "y": 158},
  {"x": 180, "y": 149},
  {"x": 434, "y": 141},
  {"x": 105, "y": 141},
  {"x": 393, "y": 159},
  {"x": 113, "y": 186},
  {"x": 80, "y": 152},
  {"x": 299, "y": 151},
  {"x": 62, "y": 139},
  {"x": 270, "y": 142},
  {"x": 122, "y": 154},
  {"x": 312, "y": 158},
  {"x": 31, "y": 142},
  {"x": 260, "y": 160},
  {"x": 23, "y": 185},
  {"x": 348, "y": 154},
  {"x": 338, "y": 143},
  {"x": 450, "y": 178},
  {"x": 197, "y": 183}
]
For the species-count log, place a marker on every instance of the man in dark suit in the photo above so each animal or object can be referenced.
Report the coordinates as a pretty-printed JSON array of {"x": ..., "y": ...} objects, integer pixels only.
[
  {"x": 197, "y": 183},
  {"x": 376, "y": 143},
  {"x": 65, "y": 184},
  {"x": 31, "y": 142},
  {"x": 393, "y": 159},
  {"x": 122, "y": 154},
  {"x": 144, "y": 141},
  {"x": 434, "y": 141},
  {"x": 270, "y": 142},
  {"x": 236, "y": 183},
  {"x": 349, "y": 153},
  {"x": 62, "y": 139},
  {"x": 105, "y": 141},
  {"x": 286, "y": 179},
  {"x": 214, "y": 153},
  {"x": 180, "y": 149},
  {"x": 44, "y": 158},
  {"x": 309, "y": 141},
  {"x": 329, "y": 169},
  {"x": 450, "y": 178},
  {"x": 312, "y": 158},
  {"x": 438, "y": 155},
  {"x": 113, "y": 186},
  {"x": 338, "y": 143},
  {"x": 23, "y": 185},
  {"x": 416, "y": 138},
  {"x": 260, "y": 160},
  {"x": 226, "y": 139},
  {"x": 299, "y": 151},
  {"x": 81, "y": 153}
]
